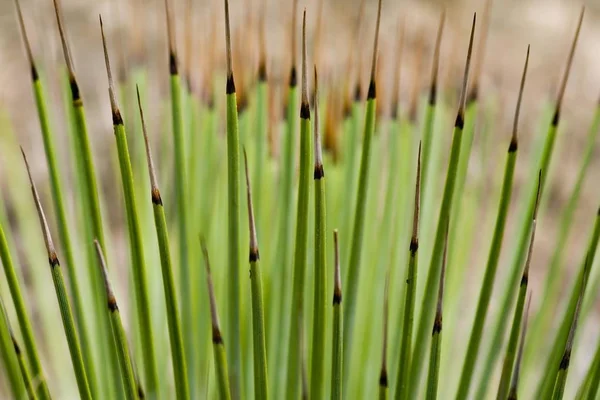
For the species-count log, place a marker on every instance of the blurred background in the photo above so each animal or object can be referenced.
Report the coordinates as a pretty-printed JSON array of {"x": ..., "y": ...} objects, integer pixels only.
[{"x": 137, "y": 31}]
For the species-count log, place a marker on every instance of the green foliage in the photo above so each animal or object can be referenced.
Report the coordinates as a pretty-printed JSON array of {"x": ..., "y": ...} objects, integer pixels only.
[{"x": 281, "y": 337}]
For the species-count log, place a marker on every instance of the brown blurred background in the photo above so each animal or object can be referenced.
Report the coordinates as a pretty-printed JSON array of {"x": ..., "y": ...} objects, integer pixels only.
[{"x": 137, "y": 31}]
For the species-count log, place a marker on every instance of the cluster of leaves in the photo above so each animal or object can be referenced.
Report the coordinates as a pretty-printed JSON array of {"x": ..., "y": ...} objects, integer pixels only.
[{"x": 387, "y": 322}]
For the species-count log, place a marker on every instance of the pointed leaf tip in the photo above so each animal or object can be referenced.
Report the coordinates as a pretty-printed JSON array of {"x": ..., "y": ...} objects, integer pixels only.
[
  {"x": 156, "y": 198},
  {"x": 28, "y": 52},
  {"x": 63, "y": 40},
  {"x": 517, "y": 370},
  {"x": 460, "y": 119},
  {"x": 41, "y": 215},
  {"x": 216, "y": 329},
  {"x": 372, "y": 84},
  {"x": 436, "y": 60},
  {"x": 513, "y": 143},
  {"x": 110, "y": 296},
  {"x": 525, "y": 277},
  {"x": 173, "y": 67},
  {"x": 304, "y": 107},
  {"x": 414, "y": 241},
  {"x": 538, "y": 195},
  {"x": 337, "y": 281},
  {"x": 565, "y": 78},
  {"x": 254, "y": 253},
  {"x": 319, "y": 169},
  {"x": 228, "y": 44},
  {"x": 293, "y": 35},
  {"x": 116, "y": 114}
]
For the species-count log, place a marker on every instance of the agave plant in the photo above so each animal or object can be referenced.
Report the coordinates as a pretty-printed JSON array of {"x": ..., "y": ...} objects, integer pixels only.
[{"x": 356, "y": 288}]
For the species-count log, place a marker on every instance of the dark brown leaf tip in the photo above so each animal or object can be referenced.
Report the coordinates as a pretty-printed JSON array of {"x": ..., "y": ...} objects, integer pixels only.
[
  {"x": 347, "y": 110},
  {"x": 433, "y": 94},
  {"x": 304, "y": 111},
  {"x": 525, "y": 279},
  {"x": 140, "y": 392},
  {"x": 460, "y": 118},
  {"x": 415, "y": 93},
  {"x": 262, "y": 71},
  {"x": 63, "y": 40},
  {"x": 116, "y": 117},
  {"x": 414, "y": 246},
  {"x": 337, "y": 281},
  {"x": 253, "y": 240},
  {"x": 337, "y": 296},
  {"x": 414, "y": 240},
  {"x": 15, "y": 344},
  {"x": 565, "y": 78},
  {"x": 75, "y": 94},
  {"x": 216, "y": 330},
  {"x": 34, "y": 73},
  {"x": 242, "y": 102},
  {"x": 565, "y": 361},
  {"x": 473, "y": 94},
  {"x": 156, "y": 198},
  {"x": 372, "y": 93},
  {"x": 397, "y": 72},
  {"x": 53, "y": 260},
  {"x": 112, "y": 304},
  {"x": 230, "y": 86},
  {"x": 538, "y": 196},
  {"x": 115, "y": 112},
  {"x": 436, "y": 61},
  {"x": 173, "y": 69},
  {"x": 437, "y": 324},
  {"x": 293, "y": 82},
  {"x": 385, "y": 329},
  {"x": 254, "y": 255},
  {"x": 262, "y": 57},
  {"x": 210, "y": 101},
  {"x": 293, "y": 43},
  {"x": 513, "y": 140},
  {"x": 217, "y": 338},
  {"x": 304, "y": 106},
  {"x": 514, "y": 384},
  {"x": 413, "y": 111},
  {"x": 372, "y": 90},
  {"x": 383, "y": 378},
  {"x": 357, "y": 92},
  {"x": 319, "y": 170},
  {"x": 556, "y": 117},
  {"x": 51, "y": 250},
  {"x": 111, "y": 301}
]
